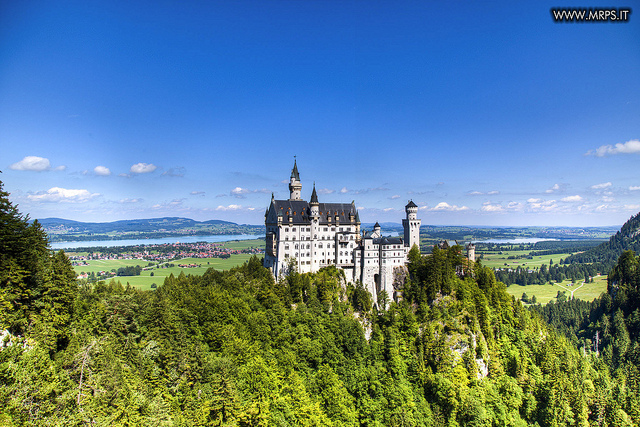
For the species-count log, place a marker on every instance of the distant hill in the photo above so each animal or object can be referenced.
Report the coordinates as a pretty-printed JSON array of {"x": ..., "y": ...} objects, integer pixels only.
[
  {"x": 60, "y": 229},
  {"x": 607, "y": 253}
]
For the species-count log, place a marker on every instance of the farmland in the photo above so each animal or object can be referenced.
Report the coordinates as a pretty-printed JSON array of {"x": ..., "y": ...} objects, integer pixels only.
[
  {"x": 155, "y": 271},
  {"x": 548, "y": 292}
]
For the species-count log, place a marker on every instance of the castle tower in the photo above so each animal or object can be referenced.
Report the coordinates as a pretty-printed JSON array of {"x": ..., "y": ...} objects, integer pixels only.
[
  {"x": 295, "y": 187},
  {"x": 471, "y": 252},
  {"x": 314, "y": 216},
  {"x": 313, "y": 204},
  {"x": 411, "y": 225}
]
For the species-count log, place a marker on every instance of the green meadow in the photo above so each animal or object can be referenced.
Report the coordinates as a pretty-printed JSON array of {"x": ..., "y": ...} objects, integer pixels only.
[
  {"x": 548, "y": 292},
  {"x": 495, "y": 259},
  {"x": 145, "y": 279}
]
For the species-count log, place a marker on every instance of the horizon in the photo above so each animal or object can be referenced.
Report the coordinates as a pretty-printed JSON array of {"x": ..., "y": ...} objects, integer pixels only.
[
  {"x": 481, "y": 114},
  {"x": 399, "y": 224}
]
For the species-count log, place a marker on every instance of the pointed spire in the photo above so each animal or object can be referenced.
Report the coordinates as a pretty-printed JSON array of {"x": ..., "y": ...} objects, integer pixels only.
[
  {"x": 272, "y": 197},
  {"x": 314, "y": 195},
  {"x": 294, "y": 171}
]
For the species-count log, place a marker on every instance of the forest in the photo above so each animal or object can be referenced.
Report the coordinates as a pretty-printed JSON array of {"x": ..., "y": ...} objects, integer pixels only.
[{"x": 238, "y": 348}]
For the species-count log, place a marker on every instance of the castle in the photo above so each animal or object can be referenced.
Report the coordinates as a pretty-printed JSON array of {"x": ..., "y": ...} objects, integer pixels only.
[{"x": 312, "y": 235}]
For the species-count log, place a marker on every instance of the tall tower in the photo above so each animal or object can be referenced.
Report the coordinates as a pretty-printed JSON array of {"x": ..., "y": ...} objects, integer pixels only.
[
  {"x": 411, "y": 225},
  {"x": 314, "y": 216},
  {"x": 295, "y": 187}
]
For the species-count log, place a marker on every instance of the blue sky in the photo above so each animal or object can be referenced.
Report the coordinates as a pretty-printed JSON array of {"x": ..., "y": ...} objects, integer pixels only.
[{"x": 483, "y": 114}]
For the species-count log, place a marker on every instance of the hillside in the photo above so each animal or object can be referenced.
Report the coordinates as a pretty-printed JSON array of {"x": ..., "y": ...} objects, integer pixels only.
[
  {"x": 67, "y": 230},
  {"x": 607, "y": 253},
  {"x": 236, "y": 348}
]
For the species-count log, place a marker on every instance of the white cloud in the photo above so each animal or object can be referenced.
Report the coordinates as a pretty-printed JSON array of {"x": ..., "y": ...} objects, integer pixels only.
[
  {"x": 555, "y": 187},
  {"x": 388, "y": 209},
  {"x": 32, "y": 163},
  {"x": 475, "y": 193},
  {"x": 634, "y": 188},
  {"x": 572, "y": 199},
  {"x": 344, "y": 190},
  {"x": 102, "y": 171},
  {"x": 632, "y": 207},
  {"x": 629, "y": 147},
  {"x": 128, "y": 201},
  {"x": 601, "y": 186},
  {"x": 537, "y": 205},
  {"x": 197, "y": 193},
  {"x": 60, "y": 168},
  {"x": 229, "y": 208},
  {"x": 175, "y": 203},
  {"x": 488, "y": 207},
  {"x": 143, "y": 168},
  {"x": 57, "y": 194},
  {"x": 325, "y": 191},
  {"x": 395, "y": 196},
  {"x": 444, "y": 206},
  {"x": 240, "y": 192},
  {"x": 491, "y": 193}
]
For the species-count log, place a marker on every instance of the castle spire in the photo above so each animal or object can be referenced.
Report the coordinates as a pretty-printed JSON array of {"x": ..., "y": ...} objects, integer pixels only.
[
  {"x": 294, "y": 171},
  {"x": 314, "y": 195},
  {"x": 295, "y": 187}
]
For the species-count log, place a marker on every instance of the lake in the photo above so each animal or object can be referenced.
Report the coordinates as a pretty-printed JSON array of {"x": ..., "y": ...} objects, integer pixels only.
[{"x": 162, "y": 241}]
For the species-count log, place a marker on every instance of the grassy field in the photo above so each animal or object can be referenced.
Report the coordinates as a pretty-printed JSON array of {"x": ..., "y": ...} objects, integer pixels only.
[
  {"x": 145, "y": 280},
  {"x": 498, "y": 260},
  {"x": 548, "y": 292}
]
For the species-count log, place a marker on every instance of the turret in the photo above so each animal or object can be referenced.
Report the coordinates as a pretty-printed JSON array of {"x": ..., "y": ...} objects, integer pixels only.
[
  {"x": 314, "y": 204},
  {"x": 295, "y": 187},
  {"x": 411, "y": 225}
]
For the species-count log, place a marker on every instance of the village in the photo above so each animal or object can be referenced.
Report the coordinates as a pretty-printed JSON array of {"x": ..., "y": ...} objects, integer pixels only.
[{"x": 157, "y": 256}]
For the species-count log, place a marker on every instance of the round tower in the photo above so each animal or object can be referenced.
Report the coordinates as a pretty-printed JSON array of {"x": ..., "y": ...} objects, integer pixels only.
[{"x": 411, "y": 225}]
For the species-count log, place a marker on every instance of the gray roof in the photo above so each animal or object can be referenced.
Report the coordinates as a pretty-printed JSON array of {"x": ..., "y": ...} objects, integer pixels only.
[
  {"x": 411, "y": 204},
  {"x": 388, "y": 241},
  {"x": 300, "y": 211}
]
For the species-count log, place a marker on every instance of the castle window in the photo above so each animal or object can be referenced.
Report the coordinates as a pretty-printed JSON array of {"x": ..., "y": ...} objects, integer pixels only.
[{"x": 296, "y": 246}]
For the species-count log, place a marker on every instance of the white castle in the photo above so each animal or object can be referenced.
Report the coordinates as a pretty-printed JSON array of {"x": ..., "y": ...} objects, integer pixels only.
[{"x": 312, "y": 235}]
